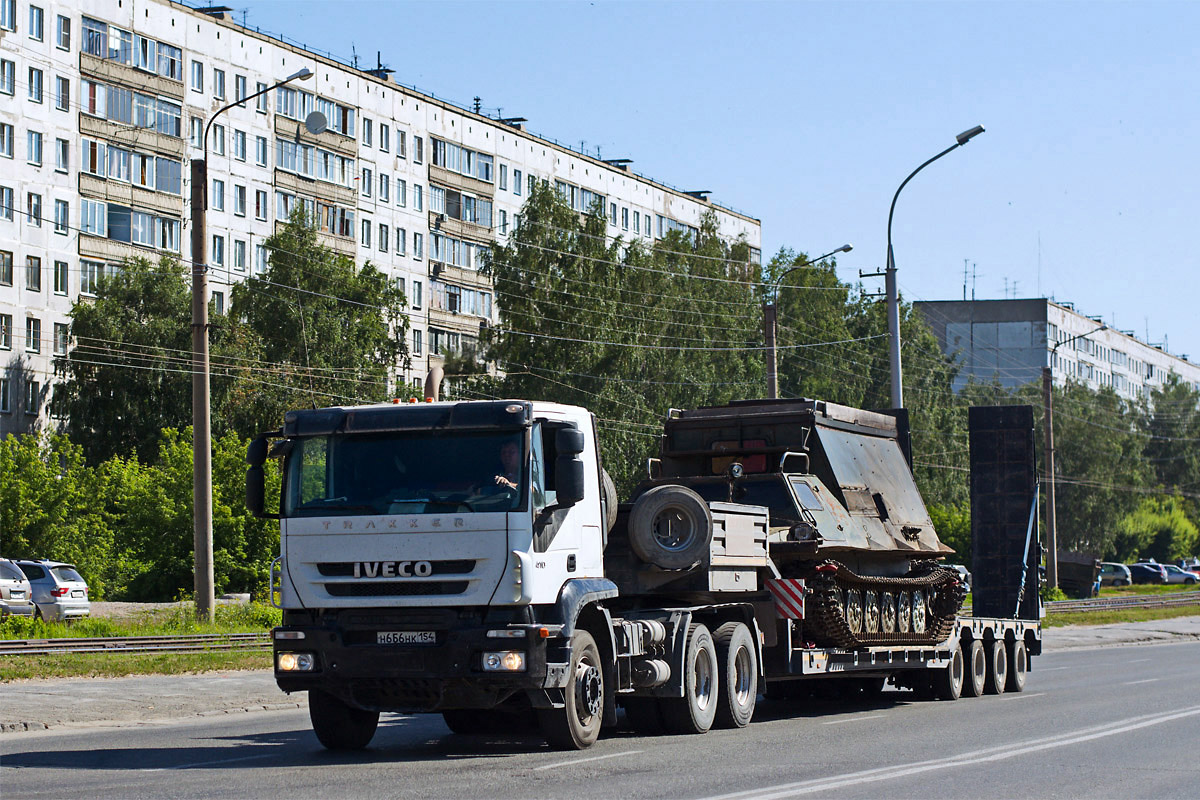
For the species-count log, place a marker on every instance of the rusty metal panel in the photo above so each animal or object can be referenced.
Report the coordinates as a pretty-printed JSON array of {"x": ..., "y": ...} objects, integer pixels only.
[{"x": 876, "y": 465}]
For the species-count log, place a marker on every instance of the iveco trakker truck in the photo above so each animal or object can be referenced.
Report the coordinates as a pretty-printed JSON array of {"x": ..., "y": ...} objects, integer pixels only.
[{"x": 471, "y": 559}]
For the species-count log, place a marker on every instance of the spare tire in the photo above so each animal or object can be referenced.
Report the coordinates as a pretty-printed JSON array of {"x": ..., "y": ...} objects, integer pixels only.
[
  {"x": 610, "y": 502},
  {"x": 670, "y": 527}
]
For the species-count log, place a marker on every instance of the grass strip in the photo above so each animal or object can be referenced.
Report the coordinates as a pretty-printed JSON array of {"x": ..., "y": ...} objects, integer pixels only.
[
  {"x": 1109, "y": 616},
  {"x": 117, "y": 665}
]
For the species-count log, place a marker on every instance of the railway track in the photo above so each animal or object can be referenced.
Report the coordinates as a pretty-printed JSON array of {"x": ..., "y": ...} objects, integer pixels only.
[
  {"x": 134, "y": 644},
  {"x": 262, "y": 641}
]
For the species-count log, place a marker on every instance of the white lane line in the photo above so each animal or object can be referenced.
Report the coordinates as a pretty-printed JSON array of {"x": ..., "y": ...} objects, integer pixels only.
[
  {"x": 854, "y": 719},
  {"x": 1145, "y": 680},
  {"x": 209, "y": 763},
  {"x": 585, "y": 760},
  {"x": 1137, "y": 661},
  {"x": 1050, "y": 669},
  {"x": 1019, "y": 695},
  {"x": 1000, "y": 753}
]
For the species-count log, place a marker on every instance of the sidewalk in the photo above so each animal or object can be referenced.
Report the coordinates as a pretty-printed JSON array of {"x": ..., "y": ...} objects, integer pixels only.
[{"x": 75, "y": 702}]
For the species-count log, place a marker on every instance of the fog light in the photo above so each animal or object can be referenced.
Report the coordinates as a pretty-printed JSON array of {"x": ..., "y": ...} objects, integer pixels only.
[
  {"x": 508, "y": 661},
  {"x": 507, "y": 633},
  {"x": 295, "y": 662},
  {"x": 289, "y": 634}
]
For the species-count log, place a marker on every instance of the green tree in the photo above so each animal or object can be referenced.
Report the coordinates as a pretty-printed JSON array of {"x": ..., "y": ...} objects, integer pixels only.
[
  {"x": 1158, "y": 528},
  {"x": 1173, "y": 427},
  {"x": 319, "y": 330}
]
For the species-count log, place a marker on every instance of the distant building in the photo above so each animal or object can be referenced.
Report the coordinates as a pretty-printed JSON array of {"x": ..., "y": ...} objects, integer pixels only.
[
  {"x": 1011, "y": 341},
  {"x": 102, "y": 105}
]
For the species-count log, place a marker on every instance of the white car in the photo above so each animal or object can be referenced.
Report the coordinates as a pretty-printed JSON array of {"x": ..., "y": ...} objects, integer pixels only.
[
  {"x": 16, "y": 594},
  {"x": 60, "y": 593}
]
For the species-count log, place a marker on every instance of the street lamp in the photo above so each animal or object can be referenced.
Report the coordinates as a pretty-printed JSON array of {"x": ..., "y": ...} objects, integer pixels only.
[
  {"x": 890, "y": 274},
  {"x": 1051, "y": 514},
  {"x": 202, "y": 532},
  {"x": 769, "y": 310}
]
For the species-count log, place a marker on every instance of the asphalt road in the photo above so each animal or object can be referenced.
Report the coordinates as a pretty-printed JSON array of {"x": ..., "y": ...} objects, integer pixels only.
[{"x": 1112, "y": 722}]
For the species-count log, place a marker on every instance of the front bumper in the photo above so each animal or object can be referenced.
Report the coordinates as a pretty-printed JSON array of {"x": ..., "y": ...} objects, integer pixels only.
[{"x": 448, "y": 674}]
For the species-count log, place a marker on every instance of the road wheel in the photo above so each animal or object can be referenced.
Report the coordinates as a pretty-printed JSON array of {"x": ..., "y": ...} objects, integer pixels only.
[
  {"x": 976, "y": 665},
  {"x": 904, "y": 613},
  {"x": 887, "y": 612},
  {"x": 642, "y": 715},
  {"x": 696, "y": 710},
  {"x": 339, "y": 726},
  {"x": 918, "y": 611},
  {"x": 871, "y": 611},
  {"x": 853, "y": 604},
  {"x": 997, "y": 673},
  {"x": 671, "y": 528},
  {"x": 577, "y": 724},
  {"x": 948, "y": 681},
  {"x": 738, "y": 662},
  {"x": 1018, "y": 662}
]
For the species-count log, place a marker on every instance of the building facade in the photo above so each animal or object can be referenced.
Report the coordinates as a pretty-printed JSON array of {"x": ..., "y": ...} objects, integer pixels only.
[
  {"x": 102, "y": 107},
  {"x": 1011, "y": 341}
]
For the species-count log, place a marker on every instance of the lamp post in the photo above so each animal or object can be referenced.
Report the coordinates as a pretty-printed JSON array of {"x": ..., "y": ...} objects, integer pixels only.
[
  {"x": 202, "y": 533},
  {"x": 890, "y": 274},
  {"x": 769, "y": 313},
  {"x": 1051, "y": 514}
]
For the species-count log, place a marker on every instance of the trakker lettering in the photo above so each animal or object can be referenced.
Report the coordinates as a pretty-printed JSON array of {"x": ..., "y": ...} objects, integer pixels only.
[{"x": 393, "y": 569}]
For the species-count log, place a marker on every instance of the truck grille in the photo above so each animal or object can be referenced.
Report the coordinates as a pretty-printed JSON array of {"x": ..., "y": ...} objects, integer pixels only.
[
  {"x": 395, "y": 588},
  {"x": 345, "y": 569}
]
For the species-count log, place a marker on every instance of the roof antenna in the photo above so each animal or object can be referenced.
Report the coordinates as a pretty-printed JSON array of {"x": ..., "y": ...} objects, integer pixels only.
[
  {"x": 353, "y": 56},
  {"x": 478, "y": 104}
]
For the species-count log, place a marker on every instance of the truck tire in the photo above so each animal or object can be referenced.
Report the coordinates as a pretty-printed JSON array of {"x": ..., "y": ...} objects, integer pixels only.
[
  {"x": 670, "y": 527},
  {"x": 696, "y": 710},
  {"x": 643, "y": 715},
  {"x": 738, "y": 662},
  {"x": 1018, "y": 663},
  {"x": 947, "y": 683},
  {"x": 577, "y": 724},
  {"x": 610, "y": 502},
  {"x": 997, "y": 673},
  {"x": 337, "y": 725},
  {"x": 976, "y": 666}
]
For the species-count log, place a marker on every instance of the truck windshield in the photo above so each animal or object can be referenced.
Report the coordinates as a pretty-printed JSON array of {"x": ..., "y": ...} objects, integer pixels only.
[{"x": 406, "y": 473}]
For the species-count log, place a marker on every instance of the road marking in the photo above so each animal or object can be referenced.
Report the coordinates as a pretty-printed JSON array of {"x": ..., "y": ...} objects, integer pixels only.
[
  {"x": 854, "y": 719},
  {"x": 210, "y": 763},
  {"x": 1051, "y": 669},
  {"x": 991, "y": 754},
  {"x": 1137, "y": 661},
  {"x": 1135, "y": 683},
  {"x": 1019, "y": 695},
  {"x": 585, "y": 760}
]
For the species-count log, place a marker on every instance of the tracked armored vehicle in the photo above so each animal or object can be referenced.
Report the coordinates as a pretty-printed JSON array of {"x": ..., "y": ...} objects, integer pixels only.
[{"x": 845, "y": 514}]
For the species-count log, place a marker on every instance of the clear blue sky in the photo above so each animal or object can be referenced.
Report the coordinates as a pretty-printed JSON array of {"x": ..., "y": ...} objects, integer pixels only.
[{"x": 808, "y": 115}]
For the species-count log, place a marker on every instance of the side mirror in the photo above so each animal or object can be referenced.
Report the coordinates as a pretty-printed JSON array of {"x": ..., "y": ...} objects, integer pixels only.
[
  {"x": 568, "y": 479},
  {"x": 256, "y": 491},
  {"x": 569, "y": 441},
  {"x": 256, "y": 453}
]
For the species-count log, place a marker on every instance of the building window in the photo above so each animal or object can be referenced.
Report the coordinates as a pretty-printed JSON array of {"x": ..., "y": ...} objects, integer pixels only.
[
  {"x": 260, "y": 204},
  {"x": 239, "y": 255},
  {"x": 517, "y": 182},
  {"x": 33, "y": 209},
  {"x": 8, "y": 15},
  {"x": 62, "y": 94},
  {"x": 625, "y": 219},
  {"x": 219, "y": 84},
  {"x": 62, "y": 213},
  {"x": 239, "y": 88},
  {"x": 35, "y": 84},
  {"x": 217, "y": 257},
  {"x": 5, "y": 331},
  {"x": 33, "y": 397},
  {"x": 62, "y": 155},
  {"x": 6, "y": 138},
  {"x": 503, "y": 221},
  {"x": 401, "y": 241},
  {"x": 239, "y": 200},
  {"x": 367, "y": 180},
  {"x": 366, "y": 128},
  {"x": 60, "y": 339},
  {"x": 260, "y": 259},
  {"x": 418, "y": 203},
  {"x": 219, "y": 302},
  {"x": 34, "y": 141},
  {"x": 8, "y": 76},
  {"x": 218, "y": 139},
  {"x": 260, "y": 102},
  {"x": 93, "y": 217},
  {"x": 415, "y": 300},
  {"x": 385, "y": 135},
  {"x": 33, "y": 335},
  {"x": 418, "y": 245},
  {"x": 418, "y": 150},
  {"x": 385, "y": 188},
  {"x": 89, "y": 276},
  {"x": 383, "y": 237},
  {"x": 504, "y": 176},
  {"x": 401, "y": 144},
  {"x": 6, "y": 203},
  {"x": 64, "y": 33},
  {"x": 239, "y": 145},
  {"x": 366, "y": 233},
  {"x": 33, "y": 273},
  {"x": 401, "y": 192},
  {"x": 417, "y": 343},
  {"x": 5, "y": 384},
  {"x": 37, "y": 19},
  {"x": 218, "y": 195},
  {"x": 260, "y": 150},
  {"x": 61, "y": 281}
]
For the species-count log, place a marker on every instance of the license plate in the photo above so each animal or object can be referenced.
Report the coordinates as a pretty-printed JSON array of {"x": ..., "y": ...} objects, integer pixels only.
[
  {"x": 17, "y": 595},
  {"x": 405, "y": 637},
  {"x": 76, "y": 593}
]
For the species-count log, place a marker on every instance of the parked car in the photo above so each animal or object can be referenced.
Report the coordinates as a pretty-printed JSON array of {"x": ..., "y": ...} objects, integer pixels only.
[
  {"x": 1148, "y": 573},
  {"x": 60, "y": 593},
  {"x": 1113, "y": 574},
  {"x": 16, "y": 594},
  {"x": 1177, "y": 575}
]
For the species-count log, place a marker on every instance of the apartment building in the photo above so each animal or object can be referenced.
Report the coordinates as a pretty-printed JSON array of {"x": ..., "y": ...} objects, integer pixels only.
[
  {"x": 1011, "y": 341},
  {"x": 102, "y": 107}
]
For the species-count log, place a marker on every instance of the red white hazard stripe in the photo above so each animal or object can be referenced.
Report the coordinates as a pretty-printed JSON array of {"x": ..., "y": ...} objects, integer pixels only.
[{"x": 788, "y": 594}]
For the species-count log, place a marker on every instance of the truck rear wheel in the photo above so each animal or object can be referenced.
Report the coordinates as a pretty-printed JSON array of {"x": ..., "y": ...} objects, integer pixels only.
[
  {"x": 577, "y": 724},
  {"x": 670, "y": 527},
  {"x": 997, "y": 672},
  {"x": 948, "y": 682},
  {"x": 738, "y": 663},
  {"x": 1018, "y": 662},
  {"x": 976, "y": 669},
  {"x": 696, "y": 710},
  {"x": 339, "y": 726}
]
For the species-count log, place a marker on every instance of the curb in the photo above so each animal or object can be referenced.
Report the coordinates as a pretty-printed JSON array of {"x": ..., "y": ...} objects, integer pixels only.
[{"x": 21, "y": 727}]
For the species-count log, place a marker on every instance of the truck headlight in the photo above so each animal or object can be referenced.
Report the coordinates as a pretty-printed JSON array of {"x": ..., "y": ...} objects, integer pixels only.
[
  {"x": 295, "y": 662},
  {"x": 506, "y": 661}
]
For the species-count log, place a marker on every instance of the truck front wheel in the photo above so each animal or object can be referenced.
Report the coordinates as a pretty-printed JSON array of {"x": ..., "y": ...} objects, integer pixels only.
[
  {"x": 577, "y": 724},
  {"x": 337, "y": 725}
]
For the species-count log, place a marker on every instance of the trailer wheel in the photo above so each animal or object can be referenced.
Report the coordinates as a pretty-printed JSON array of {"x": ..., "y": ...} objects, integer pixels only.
[
  {"x": 642, "y": 715},
  {"x": 577, "y": 724},
  {"x": 610, "y": 502},
  {"x": 976, "y": 664},
  {"x": 695, "y": 711},
  {"x": 337, "y": 725},
  {"x": 738, "y": 663},
  {"x": 947, "y": 683},
  {"x": 997, "y": 673},
  {"x": 670, "y": 527},
  {"x": 1018, "y": 663}
]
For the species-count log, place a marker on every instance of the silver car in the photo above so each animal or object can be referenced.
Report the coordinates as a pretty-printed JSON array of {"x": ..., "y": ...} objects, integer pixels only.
[
  {"x": 60, "y": 593},
  {"x": 16, "y": 594}
]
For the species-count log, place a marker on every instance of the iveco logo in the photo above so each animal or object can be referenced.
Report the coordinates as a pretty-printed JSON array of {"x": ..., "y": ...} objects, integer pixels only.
[{"x": 392, "y": 569}]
